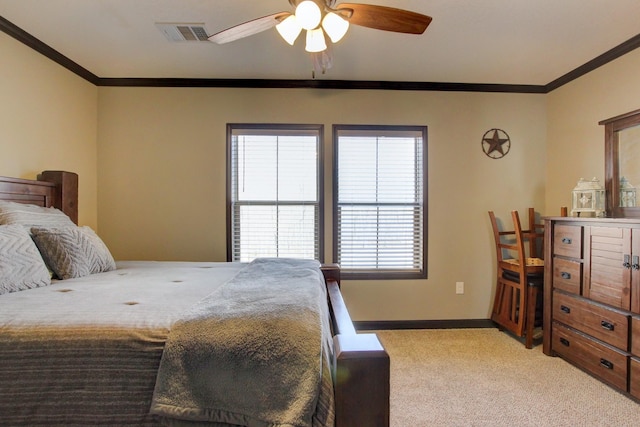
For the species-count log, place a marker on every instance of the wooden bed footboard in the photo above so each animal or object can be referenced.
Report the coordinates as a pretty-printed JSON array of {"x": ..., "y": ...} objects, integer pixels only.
[{"x": 361, "y": 366}]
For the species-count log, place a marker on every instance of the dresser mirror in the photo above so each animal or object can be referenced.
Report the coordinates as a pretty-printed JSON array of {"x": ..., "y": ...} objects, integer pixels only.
[{"x": 622, "y": 165}]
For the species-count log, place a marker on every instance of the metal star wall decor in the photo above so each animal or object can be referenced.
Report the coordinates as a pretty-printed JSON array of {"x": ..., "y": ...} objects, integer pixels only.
[{"x": 497, "y": 144}]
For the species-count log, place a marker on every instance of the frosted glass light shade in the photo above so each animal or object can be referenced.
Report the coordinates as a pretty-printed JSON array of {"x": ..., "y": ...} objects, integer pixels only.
[
  {"x": 335, "y": 26},
  {"x": 289, "y": 29},
  {"x": 308, "y": 15},
  {"x": 315, "y": 41}
]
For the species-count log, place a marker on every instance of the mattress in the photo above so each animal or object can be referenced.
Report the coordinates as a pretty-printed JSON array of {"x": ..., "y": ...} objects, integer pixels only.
[{"x": 86, "y": 351}]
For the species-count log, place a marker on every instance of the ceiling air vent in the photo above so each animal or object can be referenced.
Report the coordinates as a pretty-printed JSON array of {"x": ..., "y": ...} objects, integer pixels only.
[{"x": 183, "y": 32}]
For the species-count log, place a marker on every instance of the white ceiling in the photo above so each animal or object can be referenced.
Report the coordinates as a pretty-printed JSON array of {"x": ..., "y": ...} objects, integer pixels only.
[{"x": 469, "y": 41}]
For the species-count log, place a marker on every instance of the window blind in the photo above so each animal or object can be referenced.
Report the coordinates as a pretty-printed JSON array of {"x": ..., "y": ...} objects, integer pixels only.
[
  {"x": 379, "y": 205},
  {"x": 274, "y": 193}
]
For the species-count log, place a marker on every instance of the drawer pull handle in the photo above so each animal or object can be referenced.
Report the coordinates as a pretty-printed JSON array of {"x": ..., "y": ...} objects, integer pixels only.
[
  {"x": 565, "y": 275},
  {"x": 607, "y": 325},
  {"x": 566, "y": 240},
  {"x": 565, "y": 342},
  {"x": 606, "y": 364},
  {"x": 565, "y": 309}
]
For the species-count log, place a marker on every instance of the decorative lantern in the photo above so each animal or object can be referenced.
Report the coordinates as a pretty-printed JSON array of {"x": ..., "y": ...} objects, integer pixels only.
[
  {"x": 588, "y": 196},
  {"x": 627, "y": 194}
]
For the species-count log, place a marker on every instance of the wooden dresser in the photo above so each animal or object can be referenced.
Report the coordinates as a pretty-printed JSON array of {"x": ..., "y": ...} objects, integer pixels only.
[{"x": 592, "y": 297}]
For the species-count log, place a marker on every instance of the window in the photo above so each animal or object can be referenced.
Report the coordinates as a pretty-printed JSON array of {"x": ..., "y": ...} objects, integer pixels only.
[
  {"x": 274, "y": 191},
  {"x": 380, "y": 201}
]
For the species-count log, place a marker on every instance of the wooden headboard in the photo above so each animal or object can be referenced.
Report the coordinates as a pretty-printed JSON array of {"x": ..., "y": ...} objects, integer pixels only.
[{"x": 57, "y": 189}]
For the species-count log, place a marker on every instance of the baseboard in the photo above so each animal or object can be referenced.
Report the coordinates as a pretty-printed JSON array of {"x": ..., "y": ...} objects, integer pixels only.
[{"x": 369, "y": 325}]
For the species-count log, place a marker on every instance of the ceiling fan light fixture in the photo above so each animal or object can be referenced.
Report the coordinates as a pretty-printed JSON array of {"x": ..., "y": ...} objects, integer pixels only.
[
  {"x": 315, "y": 41},
  {"x": 335, "y": 26},
  {"x": 326, "y": 22},
  {"x": 289, "y": 29},
  {"x": 308, "y": 14}
]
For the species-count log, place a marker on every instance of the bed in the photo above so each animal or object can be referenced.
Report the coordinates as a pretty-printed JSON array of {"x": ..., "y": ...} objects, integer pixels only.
[{"x": 176, "y": 343}]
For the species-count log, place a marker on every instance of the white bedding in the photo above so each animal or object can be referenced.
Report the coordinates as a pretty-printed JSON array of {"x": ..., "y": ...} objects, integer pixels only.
[
  {"x": 138, "y": 293},
  {"x": 86, "y": 351},
  {"x": 256, "y": 353}
]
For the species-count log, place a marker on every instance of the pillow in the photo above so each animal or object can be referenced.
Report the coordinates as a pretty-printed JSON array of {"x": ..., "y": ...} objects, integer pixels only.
[
  {"x": 21, "y": 266},
  {"x": 73, "y": 251},
  {"x": 32, "y": 216}
]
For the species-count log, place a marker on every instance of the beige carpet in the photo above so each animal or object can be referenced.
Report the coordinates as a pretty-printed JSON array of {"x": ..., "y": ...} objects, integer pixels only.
[{"x": 484, "y": 377}]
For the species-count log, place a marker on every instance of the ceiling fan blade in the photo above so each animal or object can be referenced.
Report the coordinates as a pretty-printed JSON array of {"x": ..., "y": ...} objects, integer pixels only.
[
  {"x": 248, "y": 28},
  {"x": 386, "y": 18}
]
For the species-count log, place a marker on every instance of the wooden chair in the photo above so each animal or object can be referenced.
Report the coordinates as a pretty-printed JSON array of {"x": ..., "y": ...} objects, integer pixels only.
[{"x": 514, "y": 306}]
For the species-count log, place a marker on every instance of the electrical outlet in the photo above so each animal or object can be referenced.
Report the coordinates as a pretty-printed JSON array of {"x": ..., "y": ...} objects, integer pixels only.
[{"x": 459, "y": 287}]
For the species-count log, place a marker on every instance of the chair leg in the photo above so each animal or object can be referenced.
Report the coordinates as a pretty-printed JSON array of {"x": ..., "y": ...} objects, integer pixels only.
[
  {"x": 515, "y": 308},
  {"x": 531, "y": 315},
  {"x": 497, "y": 301}
]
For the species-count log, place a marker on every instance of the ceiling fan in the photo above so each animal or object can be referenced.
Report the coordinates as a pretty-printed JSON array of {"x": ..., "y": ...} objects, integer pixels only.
[{"x": 326, "y": 23}]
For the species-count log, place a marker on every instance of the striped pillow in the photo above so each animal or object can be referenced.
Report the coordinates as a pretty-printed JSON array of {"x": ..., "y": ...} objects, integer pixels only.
[
  {"x": 73, "y": 251},
  {"x": 32, "y": 216},
  {"x": 21, "y": 266}
]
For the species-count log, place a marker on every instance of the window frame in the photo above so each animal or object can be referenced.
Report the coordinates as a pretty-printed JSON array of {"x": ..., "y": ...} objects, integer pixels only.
[
  {"x": 274, "y": 128},
  {"x": 390, "y": 274}
]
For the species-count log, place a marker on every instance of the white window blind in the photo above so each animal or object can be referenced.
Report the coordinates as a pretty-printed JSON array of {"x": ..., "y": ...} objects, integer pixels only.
[
  {"x": 274, "y": 192},
  {"x": 379, "y": 215}
]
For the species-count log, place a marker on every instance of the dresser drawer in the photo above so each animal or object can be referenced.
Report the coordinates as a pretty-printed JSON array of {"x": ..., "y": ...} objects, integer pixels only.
[
  {"x": 606, "y": 324},
  {"x": 634, "y": 377},
  {"x": 567, "y": 275},
  {"x": 635, "y": 336},
  {"x": 603, "y": 361},
  {"x": 567, "y": 241}
]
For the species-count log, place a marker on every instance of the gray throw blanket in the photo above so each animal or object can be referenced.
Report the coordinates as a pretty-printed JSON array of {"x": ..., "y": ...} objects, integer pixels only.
[{"x": 251, "y": 353}]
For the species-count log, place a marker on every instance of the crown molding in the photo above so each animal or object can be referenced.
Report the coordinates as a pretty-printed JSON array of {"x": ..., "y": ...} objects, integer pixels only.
[
  {"x": 597, "y": 62},
  {"x": 320, "y": 84},
  {"x": 41, "y": 47}
]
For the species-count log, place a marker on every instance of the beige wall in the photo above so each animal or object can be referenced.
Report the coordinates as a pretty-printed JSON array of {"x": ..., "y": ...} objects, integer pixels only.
[
  {"x": 48, "y": 120},
  {"x": 161, "y": 162},
  {"x": 575, "y": 141}
]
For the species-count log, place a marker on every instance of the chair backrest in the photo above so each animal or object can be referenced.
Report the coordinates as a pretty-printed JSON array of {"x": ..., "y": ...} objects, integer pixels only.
[
  {"x": 502, "y": 246},
  {"x": 512, "y": 242},
  {"x": 521, "y": 237},
  {"x": 534, "y": 235}
]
